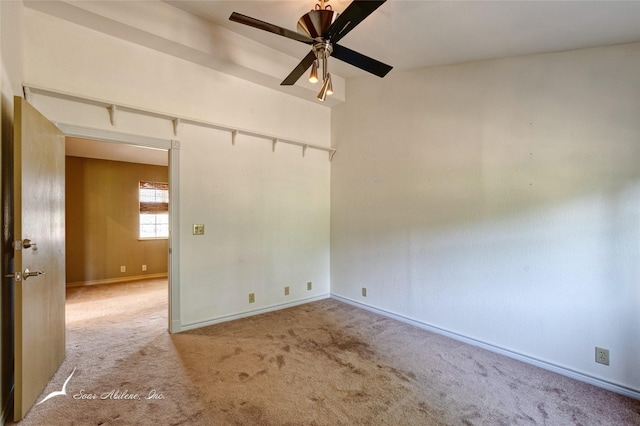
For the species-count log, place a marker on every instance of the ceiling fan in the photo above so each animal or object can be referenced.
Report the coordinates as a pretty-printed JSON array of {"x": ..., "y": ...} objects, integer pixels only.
[{"x": 322, "y": 28}]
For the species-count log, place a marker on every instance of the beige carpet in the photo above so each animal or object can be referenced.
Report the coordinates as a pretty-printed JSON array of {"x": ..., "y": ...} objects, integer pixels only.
[{"x": 324, "y": 363}]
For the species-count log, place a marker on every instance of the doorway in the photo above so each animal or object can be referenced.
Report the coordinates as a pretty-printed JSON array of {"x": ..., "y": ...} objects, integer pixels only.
[
  {"x": 56, "y": 141},
  {"x": 117, "y": 212},
  {"x": 125, "y": 148}
]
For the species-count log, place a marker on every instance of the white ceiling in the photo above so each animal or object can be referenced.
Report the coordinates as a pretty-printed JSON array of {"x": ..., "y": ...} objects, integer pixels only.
[
  {"x": 78, "y": 147},
  {"x": 407, "y": 34},
  {"x": 417, "y": 34}
]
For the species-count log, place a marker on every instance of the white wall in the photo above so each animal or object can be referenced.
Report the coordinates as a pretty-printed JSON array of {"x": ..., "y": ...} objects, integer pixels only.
[
  {"x": 266, "y": 214},
  {"x": 499, "y": 200},
  {"x": 266, "y": 219}
]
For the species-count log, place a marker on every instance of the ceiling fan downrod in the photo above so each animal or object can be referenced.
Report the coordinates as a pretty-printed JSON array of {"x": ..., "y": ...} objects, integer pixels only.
[{"x": 322, "y": 50}]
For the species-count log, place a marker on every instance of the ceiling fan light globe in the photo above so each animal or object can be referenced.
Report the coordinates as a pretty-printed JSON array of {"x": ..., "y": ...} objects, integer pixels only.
[
  {"x": 313, "y": 77},
  {"x": 329, "y": 85},
  {"x": 322, "y": 94}
]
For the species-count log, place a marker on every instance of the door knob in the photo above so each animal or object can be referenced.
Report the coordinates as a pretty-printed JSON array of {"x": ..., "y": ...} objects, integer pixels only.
[{"x": 28, "y": 273}]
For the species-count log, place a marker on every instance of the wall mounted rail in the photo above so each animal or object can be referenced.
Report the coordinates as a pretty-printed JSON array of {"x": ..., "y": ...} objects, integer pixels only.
[{"x": 113, "y": 108}]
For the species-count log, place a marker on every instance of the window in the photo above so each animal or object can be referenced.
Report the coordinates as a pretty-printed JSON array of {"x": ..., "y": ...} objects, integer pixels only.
[{"x": 154, "y": 210}]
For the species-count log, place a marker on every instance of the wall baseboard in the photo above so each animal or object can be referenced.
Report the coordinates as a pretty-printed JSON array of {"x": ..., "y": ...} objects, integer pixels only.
[
  {"x": 271, "y": 308},
  {"x": 118, "y": 280},
  {"x": 175, "y": 327},
  {"x": 614, "y": 387}
]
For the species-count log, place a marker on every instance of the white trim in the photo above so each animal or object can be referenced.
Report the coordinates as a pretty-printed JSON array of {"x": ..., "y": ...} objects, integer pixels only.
[
  {"x": 614, "y": 387},
  {"x": 174, "y": 237},
  {"x": 173, "y": 148},
  {"x": 72, "y": 130},
  {"x": 264, "y": 310}
]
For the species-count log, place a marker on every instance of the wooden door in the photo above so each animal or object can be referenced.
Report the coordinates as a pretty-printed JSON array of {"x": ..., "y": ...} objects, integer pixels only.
[{"x": 39, "y": 232}]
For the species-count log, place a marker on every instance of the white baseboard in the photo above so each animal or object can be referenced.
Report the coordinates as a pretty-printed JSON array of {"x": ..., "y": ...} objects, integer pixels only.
[
  {"x": 119, "y": 280},
  {"x": 175, "y": 327},
  {"x": 271, "y": 308},
  {"x": 614, "y": 387}
]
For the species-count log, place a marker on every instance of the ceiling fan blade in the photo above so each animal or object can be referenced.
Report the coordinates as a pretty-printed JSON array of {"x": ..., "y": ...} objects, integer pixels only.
[
  {"x": 256, "y": 23},
  {"x": 355, "y": 13},
  {"x": 299, "y": 70},
  {"x": 361, "y": 61}
]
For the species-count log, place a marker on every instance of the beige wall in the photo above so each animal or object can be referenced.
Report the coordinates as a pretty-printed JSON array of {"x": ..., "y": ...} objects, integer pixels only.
[{"x": 102, "y": 222}]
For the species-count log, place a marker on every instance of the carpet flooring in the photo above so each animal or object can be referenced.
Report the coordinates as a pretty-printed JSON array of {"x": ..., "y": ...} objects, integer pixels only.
[{"x": 323, "y": 363}]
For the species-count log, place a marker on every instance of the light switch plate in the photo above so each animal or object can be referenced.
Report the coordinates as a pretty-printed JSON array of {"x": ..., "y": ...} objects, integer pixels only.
[{"x": 198, "y": 229}]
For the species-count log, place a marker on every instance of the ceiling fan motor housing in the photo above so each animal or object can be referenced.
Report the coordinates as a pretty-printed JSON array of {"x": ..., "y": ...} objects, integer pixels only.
[
  {"x": 322, "y": 49},
  {"x": 316, "y": 22}
]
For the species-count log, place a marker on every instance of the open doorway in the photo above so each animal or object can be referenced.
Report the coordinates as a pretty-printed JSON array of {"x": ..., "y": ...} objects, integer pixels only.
[{"x": 116, "y": 224}]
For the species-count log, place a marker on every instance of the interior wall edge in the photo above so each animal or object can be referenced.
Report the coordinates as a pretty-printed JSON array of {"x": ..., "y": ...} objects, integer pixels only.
[{"x": 583, "y": 377}]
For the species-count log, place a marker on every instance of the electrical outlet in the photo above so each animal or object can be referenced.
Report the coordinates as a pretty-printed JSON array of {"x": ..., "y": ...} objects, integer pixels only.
[
  {"x": 123, "y": 269},
  {"x": 286, "y": 291},
  {"x": 602, "y": 356},
  {"x": 252, "y": 297},
  {"x": 309, "y": 285},
  {"x": 364, "y": 292},
  {"x": 144, "y": 267}
]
